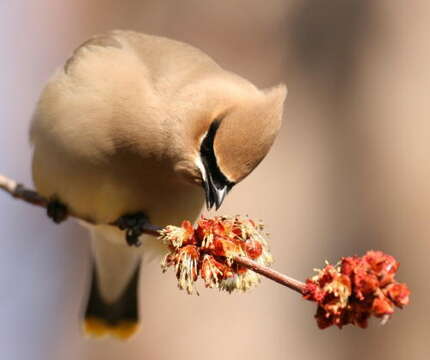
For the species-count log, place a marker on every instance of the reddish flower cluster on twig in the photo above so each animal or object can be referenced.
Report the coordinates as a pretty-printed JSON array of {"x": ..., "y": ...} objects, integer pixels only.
[
  {"x": 356, "y": 289},
  {"x": 208, "y": 251}
]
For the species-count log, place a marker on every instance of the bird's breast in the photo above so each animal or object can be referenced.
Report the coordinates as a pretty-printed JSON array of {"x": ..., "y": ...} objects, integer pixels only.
[{"x": 120, "y": 185}]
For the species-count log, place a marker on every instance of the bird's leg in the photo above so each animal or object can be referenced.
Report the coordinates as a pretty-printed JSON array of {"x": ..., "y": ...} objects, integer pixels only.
[
  {"x": 56, "y": 210},
  {"x": 134, "y": 226}
]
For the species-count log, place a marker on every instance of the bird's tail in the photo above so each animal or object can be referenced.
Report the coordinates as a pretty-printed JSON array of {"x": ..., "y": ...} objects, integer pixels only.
[
  {"x": 118, "y": 319},
  {"x": 112, "y": 308}
]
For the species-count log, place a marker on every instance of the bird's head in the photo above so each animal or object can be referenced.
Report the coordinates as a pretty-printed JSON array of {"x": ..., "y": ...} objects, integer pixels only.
[{"x": 236, "y": 140}]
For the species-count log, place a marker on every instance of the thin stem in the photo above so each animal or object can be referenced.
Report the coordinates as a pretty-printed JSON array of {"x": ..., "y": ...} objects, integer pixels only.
[
  {"x": 271, "y": 274},
  {"x": 19, "y": 191}
]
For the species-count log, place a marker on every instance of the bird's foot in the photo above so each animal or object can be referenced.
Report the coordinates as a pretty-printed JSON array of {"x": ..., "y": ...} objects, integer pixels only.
[
  {"x": 134, "y": 226},
  {"x": 56, "y": 210}
]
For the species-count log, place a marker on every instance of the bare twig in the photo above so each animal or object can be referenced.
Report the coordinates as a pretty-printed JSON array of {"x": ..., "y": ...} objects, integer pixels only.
[
  {"x": 271, "y": 274},
  {"x": 19, "y": 191}
]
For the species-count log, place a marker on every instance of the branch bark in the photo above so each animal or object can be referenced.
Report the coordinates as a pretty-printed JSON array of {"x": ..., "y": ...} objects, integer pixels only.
[{"x": 19, "y": 191}]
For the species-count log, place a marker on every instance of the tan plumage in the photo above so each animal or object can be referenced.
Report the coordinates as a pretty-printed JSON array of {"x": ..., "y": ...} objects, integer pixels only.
[{"x": 119, "y": 130}]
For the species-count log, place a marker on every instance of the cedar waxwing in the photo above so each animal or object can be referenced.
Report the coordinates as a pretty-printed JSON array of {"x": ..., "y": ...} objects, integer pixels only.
[{"x": 135, "y": 124}]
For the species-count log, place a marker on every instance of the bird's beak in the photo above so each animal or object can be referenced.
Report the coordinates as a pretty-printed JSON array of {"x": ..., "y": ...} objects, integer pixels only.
[{"x": 215, "y": 194}]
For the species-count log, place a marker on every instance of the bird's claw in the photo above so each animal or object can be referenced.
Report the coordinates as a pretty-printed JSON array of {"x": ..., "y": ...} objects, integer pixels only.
[
  {"x": 134, "y": 226},
  {"x": 56, "y": 210}
]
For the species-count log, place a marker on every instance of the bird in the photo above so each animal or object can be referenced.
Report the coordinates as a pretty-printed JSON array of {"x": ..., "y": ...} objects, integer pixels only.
[{"x": 142, "y": 128}]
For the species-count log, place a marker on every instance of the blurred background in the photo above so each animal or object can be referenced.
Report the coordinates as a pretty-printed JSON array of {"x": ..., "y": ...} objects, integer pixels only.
[{"x": 349, "y": 172}]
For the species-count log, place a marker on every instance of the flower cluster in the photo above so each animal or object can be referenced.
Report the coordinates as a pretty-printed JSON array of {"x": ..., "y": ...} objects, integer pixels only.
[
  {"x": 208, "y": 251},
  {"x": 356, "y": 289}
]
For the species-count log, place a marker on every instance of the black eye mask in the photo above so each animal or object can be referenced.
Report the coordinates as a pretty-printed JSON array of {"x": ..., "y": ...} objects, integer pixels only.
[{"x": 216, "y": 185}]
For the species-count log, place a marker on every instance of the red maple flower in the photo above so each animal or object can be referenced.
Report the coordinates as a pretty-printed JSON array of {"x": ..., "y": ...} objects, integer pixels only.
[
  {"x": 207, "y": 251},
  {"x": 356, "y": 289}
]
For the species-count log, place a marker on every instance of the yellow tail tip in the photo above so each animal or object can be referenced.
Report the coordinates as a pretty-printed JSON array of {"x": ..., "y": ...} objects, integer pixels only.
[{"x": 98, "y": 328}]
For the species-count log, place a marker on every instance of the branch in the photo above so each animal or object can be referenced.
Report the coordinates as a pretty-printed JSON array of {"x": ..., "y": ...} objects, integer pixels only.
[
  {"x": 340, "y": 298},
  {"x": 271, "y": 274},
  {"x": 19, "y": 191}
]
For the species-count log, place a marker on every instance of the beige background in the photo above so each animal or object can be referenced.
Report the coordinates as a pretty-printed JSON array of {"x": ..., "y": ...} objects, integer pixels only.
[{"x": 349, "y": 172}]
